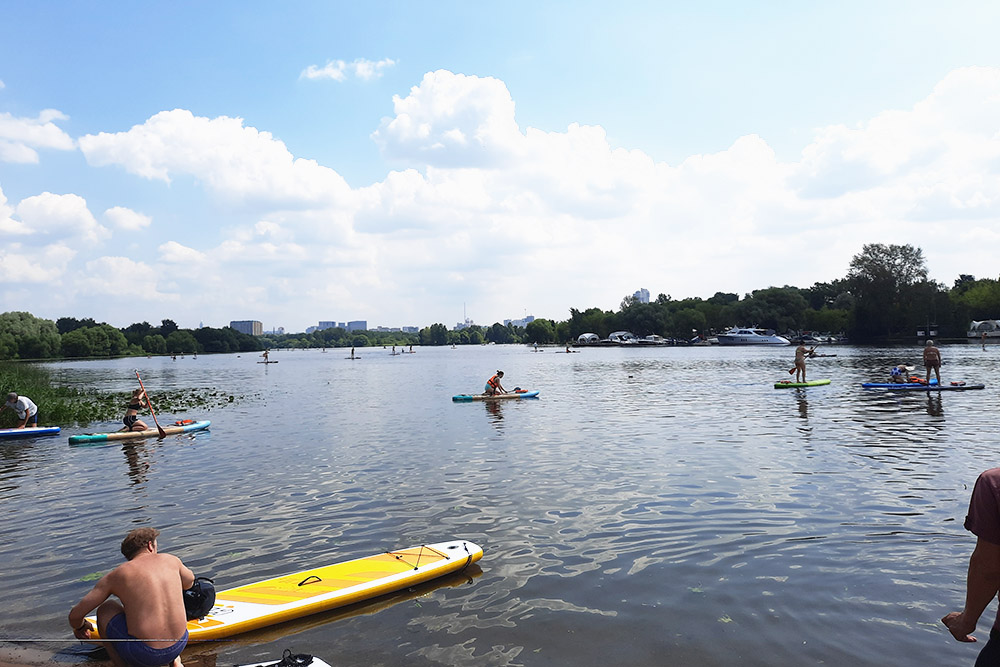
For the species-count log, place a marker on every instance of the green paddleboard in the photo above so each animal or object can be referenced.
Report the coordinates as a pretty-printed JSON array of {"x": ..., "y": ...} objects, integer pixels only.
[{"x": 788, "y": 384}]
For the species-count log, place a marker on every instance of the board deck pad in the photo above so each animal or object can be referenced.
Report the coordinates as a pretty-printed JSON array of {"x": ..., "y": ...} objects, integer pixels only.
[{"x": 292, "y": 596}]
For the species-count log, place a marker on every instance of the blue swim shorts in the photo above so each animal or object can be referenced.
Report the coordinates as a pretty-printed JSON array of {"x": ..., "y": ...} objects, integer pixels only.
[{"x": 136, "y": 652}]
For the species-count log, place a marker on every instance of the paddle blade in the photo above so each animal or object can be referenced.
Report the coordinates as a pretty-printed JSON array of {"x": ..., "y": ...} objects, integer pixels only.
[{"x": 791, "y": 370}]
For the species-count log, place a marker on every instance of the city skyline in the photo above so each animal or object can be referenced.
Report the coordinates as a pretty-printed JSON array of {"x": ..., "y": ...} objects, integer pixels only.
[{"x": 396, "y": 161}]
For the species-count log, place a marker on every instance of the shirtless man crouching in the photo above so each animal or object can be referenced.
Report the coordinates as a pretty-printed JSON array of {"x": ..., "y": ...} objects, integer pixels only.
[{"x": 150, "y": 617}]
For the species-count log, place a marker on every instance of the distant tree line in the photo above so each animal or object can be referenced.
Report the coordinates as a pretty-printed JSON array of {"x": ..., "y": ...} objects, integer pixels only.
[
  {"x": 24, "y": 336},
  {"x": 885, "y": 296}
]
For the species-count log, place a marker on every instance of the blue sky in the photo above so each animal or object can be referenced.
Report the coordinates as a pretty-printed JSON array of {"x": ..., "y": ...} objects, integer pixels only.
[{"x": 401, "y": 162}]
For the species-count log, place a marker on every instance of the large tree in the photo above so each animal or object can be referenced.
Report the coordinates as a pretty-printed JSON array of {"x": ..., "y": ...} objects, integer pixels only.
[{"x": 884, "y": 280}]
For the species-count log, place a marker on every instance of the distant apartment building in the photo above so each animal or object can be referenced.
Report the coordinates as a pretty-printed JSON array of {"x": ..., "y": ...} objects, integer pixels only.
[
  {"x": 519, "y": 323},
  {"x": 411, "y": 329},
  {"x": 464, "y": 325},
  {"x": 358, "y": 325},
  {"x": 328, "y": 325},
  {"x": 250, "y": 327},
  {"x": 641, "y": 295}
]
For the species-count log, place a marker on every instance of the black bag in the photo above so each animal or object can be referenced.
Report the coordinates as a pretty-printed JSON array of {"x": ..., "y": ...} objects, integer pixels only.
[{"x": 200, "y": 598}]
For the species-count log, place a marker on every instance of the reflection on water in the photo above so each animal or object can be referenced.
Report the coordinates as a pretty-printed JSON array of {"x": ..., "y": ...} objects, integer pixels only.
[{"x": 655, "y": 506}]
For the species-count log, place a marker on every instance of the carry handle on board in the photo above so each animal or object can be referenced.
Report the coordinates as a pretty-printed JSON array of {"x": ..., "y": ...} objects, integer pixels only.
[{"x": 306, "y": 580}]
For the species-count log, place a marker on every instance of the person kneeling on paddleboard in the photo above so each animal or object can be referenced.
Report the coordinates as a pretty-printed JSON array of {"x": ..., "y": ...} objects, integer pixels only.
[
  {"x": 493, "y": 386},
  {"x": 131, "y": 420},
  {"x": 150, "y": 623}
]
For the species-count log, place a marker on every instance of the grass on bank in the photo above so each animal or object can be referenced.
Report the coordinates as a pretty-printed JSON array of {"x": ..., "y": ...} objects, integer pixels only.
[{"x": 65, "y": 406}]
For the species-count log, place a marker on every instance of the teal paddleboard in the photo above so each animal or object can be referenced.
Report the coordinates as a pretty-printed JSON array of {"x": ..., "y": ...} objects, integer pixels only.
[{"x": 171, "y": 429}]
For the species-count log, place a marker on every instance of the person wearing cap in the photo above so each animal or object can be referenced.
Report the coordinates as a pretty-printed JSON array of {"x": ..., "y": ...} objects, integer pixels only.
[
  {"x": 932, "y": 361},
  {"x": 147, "y": 622},
  {"x": 25, "y": 408}
]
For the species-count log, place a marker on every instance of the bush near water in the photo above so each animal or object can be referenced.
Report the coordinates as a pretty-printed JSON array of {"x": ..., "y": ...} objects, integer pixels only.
[{"x": 886, "y": 295}]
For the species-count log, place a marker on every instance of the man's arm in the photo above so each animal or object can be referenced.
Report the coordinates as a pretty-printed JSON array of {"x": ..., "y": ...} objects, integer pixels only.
[
  {"x": 77, "y": 615},
  {"x": 981, "y": 587},
  {"x": 187, "y": 576}
]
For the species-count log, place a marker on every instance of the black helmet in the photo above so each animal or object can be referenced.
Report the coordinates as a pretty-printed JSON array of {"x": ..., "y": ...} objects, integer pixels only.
[{"x": 200, "y": 598}]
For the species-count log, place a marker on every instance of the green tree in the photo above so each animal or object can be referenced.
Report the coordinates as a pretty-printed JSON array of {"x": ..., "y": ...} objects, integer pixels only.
[
  {"x": 24, "y": 336},
  {"x": 540, "y": 331},
  {"x": 67, "y": 324},
  {"x": 153, "y": 344},
  {"x": 76, "y": 343},
  {"x": 500, "y": 334},
  {"x": 880, "y": 278},
  {"x": 181, "y": 342},
  {"x": 688, "y": 322}
]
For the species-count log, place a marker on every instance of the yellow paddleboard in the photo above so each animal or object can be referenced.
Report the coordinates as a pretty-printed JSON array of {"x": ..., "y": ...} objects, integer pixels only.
[{"x": 308, "y": 592}]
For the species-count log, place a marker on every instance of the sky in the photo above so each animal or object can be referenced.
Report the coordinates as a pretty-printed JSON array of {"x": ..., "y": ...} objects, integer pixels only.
[{"x": 413, "y": 163}]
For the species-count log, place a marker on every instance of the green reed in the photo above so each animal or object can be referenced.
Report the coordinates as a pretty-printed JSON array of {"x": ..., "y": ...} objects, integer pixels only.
[{"x": 64, "y": 406}]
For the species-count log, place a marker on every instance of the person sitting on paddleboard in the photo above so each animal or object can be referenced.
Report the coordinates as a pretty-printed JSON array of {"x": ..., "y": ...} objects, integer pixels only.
[
  {"x": 131, "y": 420},
  {"x": 493, "y": 386}
]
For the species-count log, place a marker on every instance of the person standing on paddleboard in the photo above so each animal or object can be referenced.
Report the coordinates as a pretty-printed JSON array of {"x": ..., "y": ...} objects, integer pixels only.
[
  {"x": 493, "y": 386},
  {"x": 801, "y": 352},
  {"x": 131, "y": 420},
  {"x": 149, "y": 622},
  {"x": 26, "y": 410},
  {"x": 932, "y": 361}
]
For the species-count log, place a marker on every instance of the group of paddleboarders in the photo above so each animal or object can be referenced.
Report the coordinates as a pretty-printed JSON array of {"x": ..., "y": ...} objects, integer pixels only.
[
  {"x": 24, "y": 407},
  {"x": 899, "y": 374},
  {"x": 147, "y": 624},
  {"x": 932, "y": 363}
]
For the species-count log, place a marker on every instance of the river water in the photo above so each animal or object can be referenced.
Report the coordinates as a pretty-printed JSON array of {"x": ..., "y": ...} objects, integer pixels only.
[{"x": 660, "y": 506}]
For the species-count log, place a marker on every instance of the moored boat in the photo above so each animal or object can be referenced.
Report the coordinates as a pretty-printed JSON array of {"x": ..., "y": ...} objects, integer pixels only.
[{"x": 751, "y": 336}]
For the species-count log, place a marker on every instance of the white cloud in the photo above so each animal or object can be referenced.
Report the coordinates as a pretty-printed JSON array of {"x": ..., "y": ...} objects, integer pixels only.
[
  {"x": 238, "y": 163},
  {"x": 59, "y": 216},
  {"x": 19, "y": 137},
  {"x": 484, "y": 199},
  {"x": 452, "y": 120},
  {"x": 113, "y": 275},
  {"x": 20, "y": 264},
  {"x": 338, "y": 70},
  {"x": 126, "y": 218},
  {"x": 172, "y": 252}
]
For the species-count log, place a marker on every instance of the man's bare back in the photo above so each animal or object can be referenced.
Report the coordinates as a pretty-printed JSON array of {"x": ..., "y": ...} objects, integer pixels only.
[{"x": 150, "y": 587}]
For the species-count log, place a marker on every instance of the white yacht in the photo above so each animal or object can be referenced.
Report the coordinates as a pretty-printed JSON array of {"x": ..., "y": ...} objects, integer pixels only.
[{"x": 751, "y": 336}]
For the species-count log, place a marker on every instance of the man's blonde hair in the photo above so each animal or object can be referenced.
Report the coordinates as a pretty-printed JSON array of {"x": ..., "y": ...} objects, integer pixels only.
[{"x": 137, "y": 540}]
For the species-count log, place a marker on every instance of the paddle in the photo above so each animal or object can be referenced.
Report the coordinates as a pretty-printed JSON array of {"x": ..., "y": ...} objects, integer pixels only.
[{"x": 159, "y": 428}]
